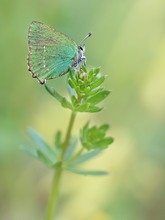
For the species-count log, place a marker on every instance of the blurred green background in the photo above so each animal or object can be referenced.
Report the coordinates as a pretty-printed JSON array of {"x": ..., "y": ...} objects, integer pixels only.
[{"x": 128, "y": 42}]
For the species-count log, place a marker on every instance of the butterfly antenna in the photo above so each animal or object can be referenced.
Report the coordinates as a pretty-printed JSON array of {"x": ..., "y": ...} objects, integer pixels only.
[{"x": 90, "y": 33}]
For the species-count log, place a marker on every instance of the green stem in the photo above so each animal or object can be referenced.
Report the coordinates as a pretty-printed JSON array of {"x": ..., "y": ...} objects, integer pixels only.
[
  {"x": 54, "y": 195},
  {"x": 67, "y": 138},
  {"x": 75, "y": 156},
  {"x": 56, "y": 182}
]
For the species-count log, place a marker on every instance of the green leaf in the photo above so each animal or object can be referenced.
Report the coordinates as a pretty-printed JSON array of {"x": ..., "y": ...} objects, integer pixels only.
[
  {"x": 84, "y": 68},
  {"x": 71, "y": 91},
  {"x": 58, "y": 141},
  {"x": 90, "y": 74},
  {"x": 88, "y": 108},
  {"x": 66, "y": 104},
  {"x": 77, "y": 89},
  {"x": 82, "y": 107},
  {"x": 94, "y": 137},
  {"x": 97, "y": 82},
  {"x": 87, "y": 172},
  {"x": 74, "y": 101},
  {"x": 83, "y": 132},
  {"x": 97, "y": 70},
  {"x": 41, "y": 144},
  {"x": 70, "y": 149},
  {"x": 104, "y": 143},
  {"x": 54, "y": 93},
  {"x": 92, "y": 109},
  {"x": 98, "y": 97},
  {"x": 45, "y": 159},
  {"x": 71, "y": 83},
  {"x": 87, "y": 90},
  {"x": 94, "y": 91},
  {"x": 40, "y": 155},
  {"x": 29, "y": 150},
  {"x": 72, "y": 73},
  {"x": 103, "y": 128},
  {"x": 85, "y": 157}
]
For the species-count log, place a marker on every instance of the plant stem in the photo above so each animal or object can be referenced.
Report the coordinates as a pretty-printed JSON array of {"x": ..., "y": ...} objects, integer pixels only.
[
  {"x": 54, "y": 195},
  {"x": 58, "y": 173},
  {"x": 76, "y": 155},
  {"x": 66, "y": 142}
]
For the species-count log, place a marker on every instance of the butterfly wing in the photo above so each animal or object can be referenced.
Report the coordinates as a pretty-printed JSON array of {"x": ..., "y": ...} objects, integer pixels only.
[{"x": 51, "y": 53}]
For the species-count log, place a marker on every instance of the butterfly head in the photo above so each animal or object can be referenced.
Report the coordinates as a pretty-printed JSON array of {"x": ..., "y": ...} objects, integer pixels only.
[{"x": 81, "y": 58}]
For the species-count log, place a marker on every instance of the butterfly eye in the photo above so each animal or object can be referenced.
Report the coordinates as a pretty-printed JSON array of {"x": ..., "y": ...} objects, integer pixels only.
[{"x": 82, "y": 48}]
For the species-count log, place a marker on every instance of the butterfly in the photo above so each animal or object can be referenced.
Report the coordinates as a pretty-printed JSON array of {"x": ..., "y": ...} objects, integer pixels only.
[{"x": 51, "y": 53}]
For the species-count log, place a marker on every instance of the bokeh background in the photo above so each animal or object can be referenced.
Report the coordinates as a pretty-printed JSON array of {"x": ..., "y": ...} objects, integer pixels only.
[{"x": 128, "y": 42}]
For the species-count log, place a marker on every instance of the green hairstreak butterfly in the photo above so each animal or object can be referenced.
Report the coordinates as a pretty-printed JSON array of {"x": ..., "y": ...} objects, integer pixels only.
[{"x": 51, "y": 53}]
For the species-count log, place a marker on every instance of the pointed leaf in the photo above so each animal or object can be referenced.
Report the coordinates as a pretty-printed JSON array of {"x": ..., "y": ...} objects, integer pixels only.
[
  {"x": 30, "y": 151},
  {"x": 45, "y": 159},
  {"x": 70, "y": 149},
  {"x": 74, "y": 101},
  {"x": 88, "y": 108},
  {"x": 98, "y": 97},
  {"x": 71, "y": 83},
  {"x": 84, "y": 68},
  {"x": 97, "y": 82},
  {"x": 103, "y": 143},
  {"x": 87, "y": 145},
  {"x": 66, "y": 104},
  {"x": 72, "y": 74},
  {"x": 85, "y": 157},
  {"x": 83, "y": 132},
  {"x": 97, "y": 70},
  {"x": 71, "y": 91},
  {"x": 58, "y": 139},
  {"x": 92, "y": 109},
  {"x": 94, "y": 91},
  {"x": 87, "y": 90},
  {"x": 41, "y": 144},
  {"x": 82, "y": 107},
  {"x": 90, "y": 74},
  {"x": 54, "y": 93},
  {"x": 87, "y": 172},
  {"x": 103, "y": 128}
]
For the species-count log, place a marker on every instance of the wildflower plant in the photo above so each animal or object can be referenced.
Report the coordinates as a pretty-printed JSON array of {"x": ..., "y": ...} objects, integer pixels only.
[{"x": 86, "y": 93}]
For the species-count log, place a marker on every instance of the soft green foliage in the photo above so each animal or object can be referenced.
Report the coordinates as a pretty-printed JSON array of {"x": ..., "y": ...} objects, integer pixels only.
[
  {"x": 94, "y": 137},
  {"x": 64, "y": 102},
  {"x": 87, "y": 172},
  {"x": 41, "y": 150},
  {"x": 84, "y": 89},
  {"x": 85, "y": 94}
]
